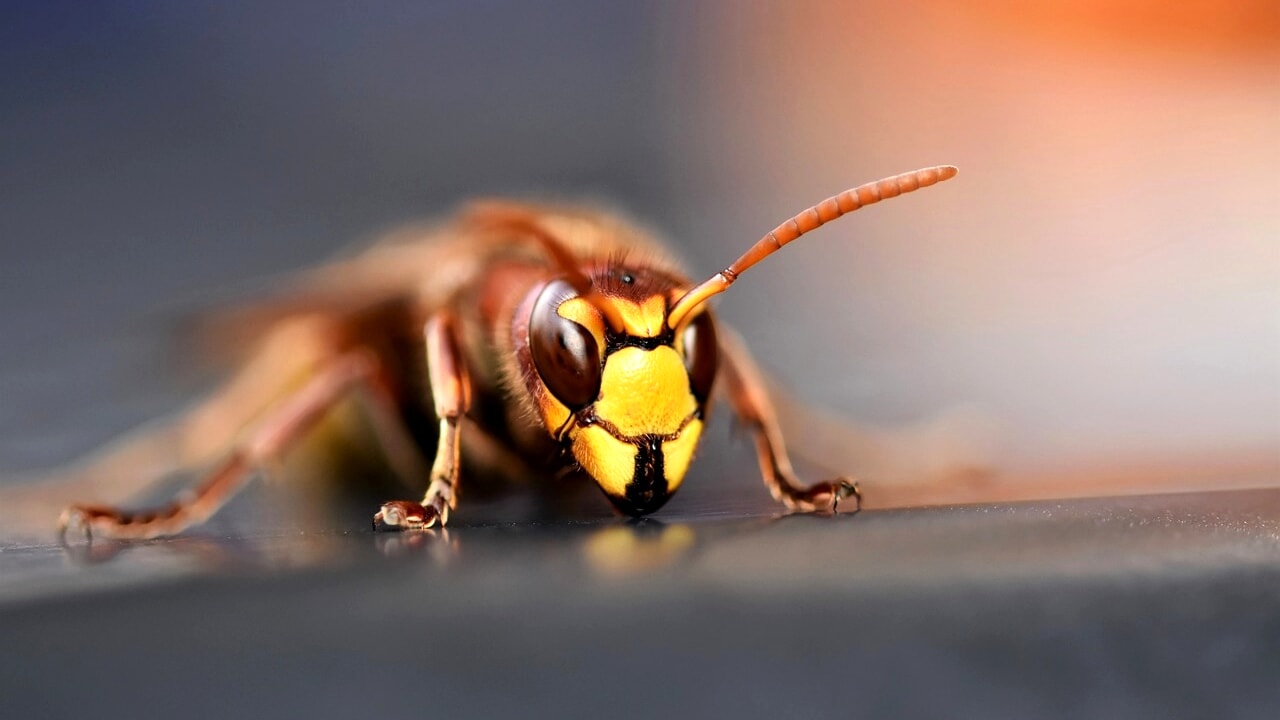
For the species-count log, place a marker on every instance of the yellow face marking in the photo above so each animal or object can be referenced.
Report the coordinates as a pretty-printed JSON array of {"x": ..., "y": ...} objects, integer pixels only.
[
  {"x": 609, "y": 460},
  {"x": 579, "y": 310},
  {"x": 554, "y": 412},
  {"x": 678, "y": 453},
  {"x": 645, "y": 392},
  {"x": 646, "y": 320},
  {"x": 679, "y": 331}
]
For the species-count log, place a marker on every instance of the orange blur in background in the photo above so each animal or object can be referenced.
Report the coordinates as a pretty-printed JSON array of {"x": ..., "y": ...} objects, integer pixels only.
[{"x": 1099, "y": 289}]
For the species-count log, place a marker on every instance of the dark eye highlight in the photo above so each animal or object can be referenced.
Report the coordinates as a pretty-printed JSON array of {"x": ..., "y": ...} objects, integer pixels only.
[
  {"x": 701, "y": 355},
  {"x": 564, "y": 353}
]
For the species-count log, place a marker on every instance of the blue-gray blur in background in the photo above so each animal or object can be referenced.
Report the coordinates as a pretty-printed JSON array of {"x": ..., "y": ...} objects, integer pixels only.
[{"x": 156, "y": 152}]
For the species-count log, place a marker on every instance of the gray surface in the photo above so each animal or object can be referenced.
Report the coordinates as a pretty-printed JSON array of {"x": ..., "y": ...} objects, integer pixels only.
[{"x": 1143, "y": 607}]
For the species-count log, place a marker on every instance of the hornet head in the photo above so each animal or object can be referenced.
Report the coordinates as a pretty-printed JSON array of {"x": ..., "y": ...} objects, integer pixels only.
[{"x": 621, "y": 387}]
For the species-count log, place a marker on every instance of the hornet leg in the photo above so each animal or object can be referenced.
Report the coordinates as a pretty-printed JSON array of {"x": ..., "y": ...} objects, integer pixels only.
[
  {"x": 263, "y": 447},
  {"x": 451, "y": 392},
  {"x": 746, "y": 393}
]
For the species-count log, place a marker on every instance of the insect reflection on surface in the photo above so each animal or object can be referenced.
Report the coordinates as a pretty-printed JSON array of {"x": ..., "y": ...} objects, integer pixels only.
[{"x": 616, "y": 549}]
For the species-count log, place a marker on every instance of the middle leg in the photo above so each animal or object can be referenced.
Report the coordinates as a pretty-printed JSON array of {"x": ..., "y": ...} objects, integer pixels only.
[{"x": 451, "y": 393}]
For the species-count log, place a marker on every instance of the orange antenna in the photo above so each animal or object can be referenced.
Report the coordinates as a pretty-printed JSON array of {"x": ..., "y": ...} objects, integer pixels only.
[
  {"x": 803, "y": 222},
  {"x": 492, "y": 214}
]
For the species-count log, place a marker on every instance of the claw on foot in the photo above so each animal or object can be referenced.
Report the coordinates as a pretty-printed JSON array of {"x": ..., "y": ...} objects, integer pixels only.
[
  {"x": 405, "y": 515},
  {"x": 846, "y": 488},
  {"x": 825, "y": 497},
  {"x": 74, "y": 524}
]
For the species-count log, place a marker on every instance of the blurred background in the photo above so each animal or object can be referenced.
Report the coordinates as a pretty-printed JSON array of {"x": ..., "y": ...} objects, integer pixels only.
[{"x": 1093, "y": 305}]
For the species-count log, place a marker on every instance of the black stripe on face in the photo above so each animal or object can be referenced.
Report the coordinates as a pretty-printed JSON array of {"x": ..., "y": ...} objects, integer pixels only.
[
  {"x": 615, "y": 342},
  {"x": 647, "y": 490}
]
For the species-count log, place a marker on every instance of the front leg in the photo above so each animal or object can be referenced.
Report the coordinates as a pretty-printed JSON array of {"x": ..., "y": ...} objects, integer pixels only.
[
  {"x": 750, "y": 401},
  {"x": 451, "y": 392}
]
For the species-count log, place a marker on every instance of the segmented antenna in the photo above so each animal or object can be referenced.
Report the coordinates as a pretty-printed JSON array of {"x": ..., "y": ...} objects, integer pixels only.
[{"x": 803, "y": 222}]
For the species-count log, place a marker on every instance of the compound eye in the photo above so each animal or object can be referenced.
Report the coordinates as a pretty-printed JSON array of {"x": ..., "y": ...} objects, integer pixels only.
[
  {"x": 701, "y": 355},
  {"x": 564, "y": 353}
]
